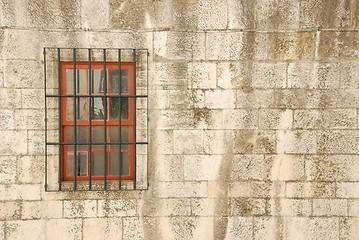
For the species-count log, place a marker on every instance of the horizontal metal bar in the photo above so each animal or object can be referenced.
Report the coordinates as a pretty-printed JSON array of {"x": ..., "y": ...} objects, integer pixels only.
[
  {"x": 98, "y": 190},
  {"x": 91, "y": 143},
  {"x": 137, "y": 49},
  {"x": 98, "y": 96}
]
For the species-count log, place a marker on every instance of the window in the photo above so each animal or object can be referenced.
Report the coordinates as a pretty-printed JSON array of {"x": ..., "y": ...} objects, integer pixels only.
[{"x": 101, "y": 135}]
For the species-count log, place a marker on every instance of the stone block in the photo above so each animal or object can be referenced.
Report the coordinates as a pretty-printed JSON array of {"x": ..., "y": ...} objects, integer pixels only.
[
  {"x": 257, "y": 189},
  {"x": 324, "y": 14},
  {"x": 254, "y": 141},
  {"x": 202, "y": 75},
  {"x": 250, "y": 167},
  {"x": 220, "y": 99},
  {"x": 226, "y": 46},
  {"x": 188, "y": 141},
  {"x": 161, "y": 99},
  {"x": 338, "y": 141},
  {"x": 330, "y": 207},
  {"x": 268, "y": 228},
  {"x": 16, "y": 46},
  {"x": 41, "y": 209},
  {"x": 269, "y": 75},
  {"x": 26, "y": 119},
  {"x": 310, "y": 190},
  {"x": 174, "y": 119},
  {"x": 89, "y": 10},
  {"x": 163, "y": 141},
  {"x": 283, "y": 15},
  {"x": 32, "y": 98},
  {"x": 218, "y": 141},
  {"x": 30, "y": 169},
  {"x": 186, "y": 99},
  {"x": 302, "y": 74},
  {"x": 169, "y": 168},
  {"x": 296, "y": 228},
  {"x": 117, "y": 208},
  {"x": 298, "y": 141},
  {"x": 179, "y": 45},
  {"x": 63, "y": 229},
  {"x": 308, "y": 119},
  {"x": 348, "y": 190},
  {"x": 182, "y": 189},
  {"x": 7, "y": 116},
  {"x": 255, "y": 98},
  {"x": 240, "y": 119},
  {"x": 8, "y": 166},
  {"x": 286, "y": 167},
  {"x": 133, "y": 228},
  {"x": 292, "y": 46},
  {"x": 2, "y": 230},
  {"x": 275, "y": 119},
  {"x": 202, "y": 167},
  {"x": 79, "y": 208},
  {"x": 23, "y": 74},
  {"x": 208, "y": 206},
  {"x": 239, "y": 228},
  {"x": 353, "y": 208},
  {"x": 247, "y": 207},
  {"x": 212, "y": 14},
  {"x": 296, "y": 98},
  {"x": 102, "y": 229},
  {"x": 165, "y": 207},
  {"x": 29, "y": 229},
  {"x": 338, "y": 45},
  {"x": 14, "y": 142},
  {"x": 234, "y": 74},
  {"x": 348, "y": 228},
  {"x": 340, "y": 119},
  {"x": 324, "y": 228},
  {"x": 9, "y": 210},
  {"x": 241, "y": 14},
  {"x": 171, "y": 74},
  {"x": 20, "y": 192},
  {"x": 10, "y": 98},
  {"x": 290, "y": 207}
]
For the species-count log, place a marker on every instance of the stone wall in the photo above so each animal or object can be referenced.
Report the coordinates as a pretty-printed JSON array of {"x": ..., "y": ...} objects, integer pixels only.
[{"x": 253, "y": 119}]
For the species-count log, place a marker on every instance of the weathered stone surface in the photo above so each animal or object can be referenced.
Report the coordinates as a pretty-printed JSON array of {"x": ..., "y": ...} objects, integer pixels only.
[
  {"x": 338, "y": 45},
  {"x": 100, "y": 228},
  {"x": 30, "y": 229},
  {"x": 64, "y": 228}
]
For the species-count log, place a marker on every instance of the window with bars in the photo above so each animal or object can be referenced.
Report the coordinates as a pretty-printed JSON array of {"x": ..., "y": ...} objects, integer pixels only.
[{"x": 100, "y": 141}]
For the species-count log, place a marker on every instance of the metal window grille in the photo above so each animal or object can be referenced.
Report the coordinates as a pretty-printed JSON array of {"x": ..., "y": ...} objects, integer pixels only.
[{"x": 96, "y": 119}]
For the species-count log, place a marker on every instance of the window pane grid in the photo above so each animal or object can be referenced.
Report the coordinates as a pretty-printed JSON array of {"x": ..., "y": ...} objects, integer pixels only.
[{"x": 84, "y": 107}]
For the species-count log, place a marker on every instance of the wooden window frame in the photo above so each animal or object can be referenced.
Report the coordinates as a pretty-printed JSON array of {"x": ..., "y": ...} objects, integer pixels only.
[{"x": 89, "y": 123}]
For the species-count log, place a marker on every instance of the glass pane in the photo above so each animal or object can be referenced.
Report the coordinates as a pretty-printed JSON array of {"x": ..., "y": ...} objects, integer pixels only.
[
  {"x": 115, "y": 83},
  {"x": 81, "y": 81},
  {"x": 98, "y": 86},
  {"x": 98, "y": 108},
  {"x": 70, "y": 108},
  {"x": 69, "y": 81},
  {"x": 98, "y": 136},
  {"x": 81, "y": 136},
  {"x": 81, "y": 106},
  {"x": 98, "y": 161},
  {"x": 81, "y": 168},
  {"x": 115, "y": 160},
  {"x": 115, "y": 136},
  {"x": 115, "y": 108}
]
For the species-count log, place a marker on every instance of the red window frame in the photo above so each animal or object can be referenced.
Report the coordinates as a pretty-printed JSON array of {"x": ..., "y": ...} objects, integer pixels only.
[{"x": 88, "y": 123}]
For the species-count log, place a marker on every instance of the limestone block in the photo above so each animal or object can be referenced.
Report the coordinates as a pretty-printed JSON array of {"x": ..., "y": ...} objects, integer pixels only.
[
  {"x": 10, "y": 98},
  {"x": 84, "y": 209},
  {"x": 2, "y": 231},
  {"x": 307, "y": 119},
  {"x": 185, "y": 99},
  {"x": 324, "y": 228},
  {"x": 270, "y": 228},
  {"x": 133, "y": 228},
  {"x": 30, "y": 229},
  {"x": 239, "y": 228},
  {"x": 220, "y": 99},
  {"x": 169, "y": 168},
  {"x": 324, "y": 14},
  {"x": 241, "y": 14},
  {"x": 179, "y": 45},
  {"x": 348, "y": 190},
  {"x": 185, "y": 14},
  {"x": 250, "y": 167},
  {"x": 353, "y": 210},
  {"x": 163, "y": 141},
  {"x": 23, "y": 74},
  {"x": 329, "y": 75},
  {"x": 13, "y": 13},
  {"x": 282, "y": 14},
  {"x": 26, "y": 119},
  {"x": 310, "y": 190},
  {"x": 205, "y": 118},
  {"x": 247, "y": 207},
  {"x": 290, "y": 207},
  {"x": 286, "y": 167},
  {"x": 338, "y": 141},
  {"x": 165, "y": 207},
  {"x": 170, "y": 74},
  {"x": 348, "y": 228},
  {"x": 338, "y": 98},
  {"x": 257, "y": 189},
  {"x": 202, "y": 75},
  {"x": 7, "y": 117},
  {"x": 202, "y": 167},
  {"x": 20, "y": 192},
  {"x": 296, "y": 228},
  {"x": 173, "y": 119},
  {"x": 9, "y": 210},
  {"x": 117, "y": 208},
  {"x": 32, "y": 98},
  {"x": 234, "y": 74},
  {"x": 208, "y": 206},
  {"x": 14, "y": 142},
  {"x": 188, "y": 141},
  {"x": 41, "y": 209},
  {"x": 35, "y": 142},
  {"x": 8, "y": 165},
  {"x": 182, "y": 189},
  {"x": 338, "y": 45},
  {"x": 161, "y": 99},
  {"x": 102, "y": 229},
  {"x": 56, "y": 15},
  {"x": 217, "y": 141},
  {"x": 275, "y": 119},
  {"x": 226, "y": 46},
  {"x": 16, "y": 46},
  {"x": 298, "y": 141},
  {"x": 292, "y": 46},
  {"x": 254, "y": 141},
  {"x": 340, "y": 119},
  {"x": 269, "y": 75},
  {"x": 64, "y": 229},
  {"x": 300, "y": 98},
  {"x": 240, "y": 119},
  {"x": 255, "y": 98},
  {"x": 95, "y": 14},
  {"x": 212, "y": 14},
  {"x": 330, "y": 207},
  {"x": 302, "y": 74}
]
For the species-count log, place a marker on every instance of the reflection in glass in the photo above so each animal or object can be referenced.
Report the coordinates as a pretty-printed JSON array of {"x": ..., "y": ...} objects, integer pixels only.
[
  {"x": 80, "y": 136},
  {"x": 81, "y": 108},
  {"x": 98, "y": 136},
  {"x": 81, "y": 81},
  {"x": 81, "y": 164},
  {"x": 115, "y": 160},
  {"x": 115, "y": 83},
  {"x": 116, "y": 109},
  {"x": 115, "y": 136},
  {"x": 98, "y": 108},
  {"x": 98, "y": 163},
  {"x": 99, "y": 81}
]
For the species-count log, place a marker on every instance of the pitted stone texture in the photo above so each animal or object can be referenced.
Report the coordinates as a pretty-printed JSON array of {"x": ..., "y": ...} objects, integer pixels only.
[
  {"x": 76, "y": 209},
  {"x": 182, "y": 189},
  {"x": 30, "y": 229},
  {"x": 338, "y": 45},
  {"x": 330, "y": 207},
  {"x": 102, "y": 229},
  {"x": 41, "y": 209},
  {"x": 8, "y": 166},
  {"x": 116, "y": 208},
  {"x": 169, "y": 168},
  {"x": 64, "y": 229},
  {"x": 202, "y": 167},
  {"x": 9, "y": 210},
  {"x": 239, "y": 227}
]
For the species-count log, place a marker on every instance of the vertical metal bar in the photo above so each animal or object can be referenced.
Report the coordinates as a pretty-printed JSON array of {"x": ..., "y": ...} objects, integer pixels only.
[
  {"x": 90, "y": 115},
  {"x": 120, "y": 123},
  {"x": 134, "y": 121},
  {"x": 75, "y": 120},
  {"x": 45, "y": 100},
  {"x": 61, "y": 147},
  {"x": 105, "y": 120}
]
